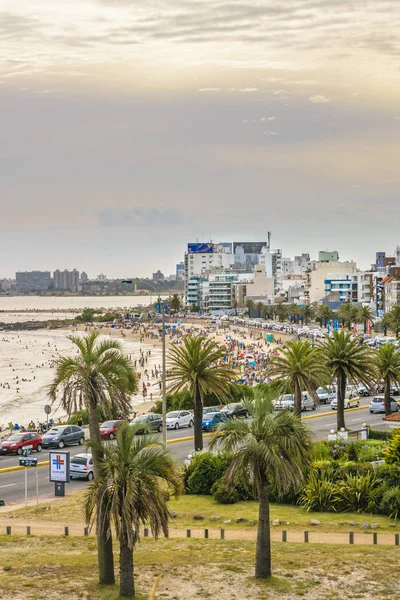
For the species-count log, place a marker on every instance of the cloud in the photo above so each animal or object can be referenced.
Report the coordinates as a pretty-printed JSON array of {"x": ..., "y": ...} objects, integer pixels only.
[
  {"x": 209, "y": 90},
  {"x": 319, "y": 99},
  {"x": 137, "y": 217}
]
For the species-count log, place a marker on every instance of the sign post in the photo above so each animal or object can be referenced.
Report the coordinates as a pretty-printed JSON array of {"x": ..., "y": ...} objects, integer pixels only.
[
  {"x": 47, "y": 410},
  {"x": 59, "y": 471},
  {"x": 29, "y": 462}
]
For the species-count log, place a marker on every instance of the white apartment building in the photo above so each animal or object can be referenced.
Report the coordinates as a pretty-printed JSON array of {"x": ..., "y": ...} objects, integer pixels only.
[
  {"x": 329, "y": 271},
  {"x": 66, "y": 280}
]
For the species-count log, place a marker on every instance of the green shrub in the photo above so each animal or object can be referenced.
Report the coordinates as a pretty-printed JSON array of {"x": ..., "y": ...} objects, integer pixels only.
[
  {"x": 321, "y": 451},
  {"x": 353, "y": 468},
  {"x": 352, "y": 452},
  {"x": 224, "y": 495},
  {"x": 319, "y": 493},
  {"x": 392, "y": 452},
  {"x": 375, "y": 434},
  {"x": 358, "y": 493},
  {"x": 390, "y": 474},
  {"x": 390, "y": 503},
  {"x": 206, "y": 468},
  {"x": 371, "y": 451}
]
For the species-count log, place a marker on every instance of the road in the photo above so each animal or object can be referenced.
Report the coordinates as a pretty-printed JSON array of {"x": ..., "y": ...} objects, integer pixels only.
[{"x": 12, "y": 485}]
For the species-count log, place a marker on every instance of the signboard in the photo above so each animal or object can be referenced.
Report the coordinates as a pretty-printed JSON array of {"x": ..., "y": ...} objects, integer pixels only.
[
  {"x": 47, "y": 409},
  {"x": 201, "y": 248},
  {"x": 59, "y": 466},
  {"x": 28, "y": 462}
]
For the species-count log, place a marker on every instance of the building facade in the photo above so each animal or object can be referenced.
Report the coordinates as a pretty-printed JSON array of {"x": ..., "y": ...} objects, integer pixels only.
[
  {"x": 32, "y": 281},
  {"x": 66, "y": 280}
]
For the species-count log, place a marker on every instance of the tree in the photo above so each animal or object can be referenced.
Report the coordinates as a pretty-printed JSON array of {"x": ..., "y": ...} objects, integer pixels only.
[
  {"x": 388, "y": 369},
  {"x": 261, "y": 309},
  {"x": 281, "y": 312},
  {"x": 394, "y": 319},
  {"x": 344, "y": 313},
  {"x": 307, "y": 312},
  {"x": 99, "y": 376},
  {"x": 364, "y": 315},
  {"x": 386, "y": 323},
  {"x": 249, "y": 304},
  {"x": 133, "y": 473},
  {"x": 235, "y": 305},
  {"x": 299, "y": 368},
  {"x": 176, "y": 303},
  {"x": 324, "y": 314},
  {"x": 196, "y": 365},
  {"x": 347, "y": 361},
  {"x": 270, "y": 451}
]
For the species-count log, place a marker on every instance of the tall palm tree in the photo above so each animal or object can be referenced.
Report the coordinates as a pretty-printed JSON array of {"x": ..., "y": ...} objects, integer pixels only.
[
  {"x": 197, "y": 366},
  {"x": 347, "y": 361},
  {"x": 176, "y": 303},
  {"x": 324, "y": 314},
  {"x": 235, "y": 305},
  {"x": 133, "y": 473},
  {"x": 100, "y": 375},
  {"x": 249, "y": 304},
  {"x": 394, "y": 318},
  {"x": 299, "y": 368},
  {"x": 365, "y": 314},
  {"x": 270, "y": 451},
  {"x": 281, "y": 312},
  {"x": 353, "y": 315},
  {"x": 386, "y": 323},
  {"x": 307, "y": 312},
  {"x": 261, "y": 309},
  {"x": 388, "y": 369}
]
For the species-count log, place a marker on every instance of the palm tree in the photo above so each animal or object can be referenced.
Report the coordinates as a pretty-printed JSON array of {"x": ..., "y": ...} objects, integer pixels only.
[
  {"x": 270, "y": 451},
  {"x": 347, "y": 361},
  {"x": 299, "y": 368},
  {"x": 365, "y": 314},
  {"x": 249, "y": 304},
  {"x": 261, "y": 309},
  {"x": 281, "y": 312},
  {"x": 353, "y": 315},
  {"x": 394, "y": 318},
  {"x": 324, "y": 314},
  {"x": 100, "y": 376},
  {"x": 386, "y": 323},
  {"x": 307, "y": 312},
  {"x": 344, "y": 313},
  {"x": 133, "y": 473},
  {"x": 176, "y": 303},
  {"x": 388, "y": 368},
  {"x": 235, "y": 305},
  {"x": 293, "y": 311},
  {"x": 197, "y": 366}
]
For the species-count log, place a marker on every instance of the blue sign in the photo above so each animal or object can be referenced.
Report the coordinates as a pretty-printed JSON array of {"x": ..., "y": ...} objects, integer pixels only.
[
  {"x": 200, "y": 312},
  {"x": 201, "y": 248},
  {"x": 158, "y": 308}
]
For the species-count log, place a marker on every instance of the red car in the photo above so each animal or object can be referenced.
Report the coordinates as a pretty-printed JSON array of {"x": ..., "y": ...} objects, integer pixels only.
[
  {"x": 108, "y": 429},
  {"x": 18, "y": 441}
]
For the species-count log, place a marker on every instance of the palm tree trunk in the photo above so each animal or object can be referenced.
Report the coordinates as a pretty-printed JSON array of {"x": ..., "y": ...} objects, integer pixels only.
[
  {"x": 297, "y": 400},
  {"x": 387, "y": 397},
  {"x": 105, "y": 555},
  {"x": 198, "y": 420},
  {"x": 263, "y": 548},
  {"x": 365, "y": 326},
  {"x": 126, "y": 573},
  {"x": 341, "y": 385}
]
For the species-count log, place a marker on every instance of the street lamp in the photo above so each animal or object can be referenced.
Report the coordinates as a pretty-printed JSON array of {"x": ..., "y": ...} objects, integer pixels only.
[{"x": 163, "y": 375}]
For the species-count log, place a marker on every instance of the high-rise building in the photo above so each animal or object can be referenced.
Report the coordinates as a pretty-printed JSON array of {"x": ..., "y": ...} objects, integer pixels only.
[
  {"x": 180, "y": 271},
  {"x": 32, "y": 281},
  {"x": 158, "y": 276},
  {"x": 66, "y": 280},
  {"x": 84, "y": 277}
]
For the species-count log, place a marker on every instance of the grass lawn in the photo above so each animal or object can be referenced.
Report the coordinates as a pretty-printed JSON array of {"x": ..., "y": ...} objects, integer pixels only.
[
  {"x": 39, "y": 568},
  {"x": 68, "y": 511}
]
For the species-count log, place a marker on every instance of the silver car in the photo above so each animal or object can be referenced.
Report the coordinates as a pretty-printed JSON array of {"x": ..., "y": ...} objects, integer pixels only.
[
  {"x": 377, "y": 405},
  {"x": 81, "y": 467}
]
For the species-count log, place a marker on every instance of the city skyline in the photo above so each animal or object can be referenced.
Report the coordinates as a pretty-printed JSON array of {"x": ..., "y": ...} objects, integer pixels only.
[{"x": 129, "y": 129}]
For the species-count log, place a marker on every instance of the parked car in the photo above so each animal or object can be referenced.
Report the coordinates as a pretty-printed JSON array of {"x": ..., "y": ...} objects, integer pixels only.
[
  {"x": 287, "y": 401},
  {"x": 63, "y": 435},
  {"x": 179, "y": 418},
  {"x": 81, "y": 467},
  {"x": 211, "y": 409},
  {"x": 17, "y": 442},
  {"x": 380, "y": 388},
  {"x": 108, "y": 429},
  {"x": 325, "y": 395},
  {"x": 211, "y": 420},
  {"x": 363, "y": 392},
  {"x": 377, "y": 405},
  {"x": 351, "y": 399},
  {"x": 234, "y": 410},
  {"x": 150, "y": 422}
]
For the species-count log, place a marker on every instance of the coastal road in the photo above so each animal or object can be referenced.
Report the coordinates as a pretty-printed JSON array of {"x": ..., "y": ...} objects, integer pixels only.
[{"x": 12, "y": 486}]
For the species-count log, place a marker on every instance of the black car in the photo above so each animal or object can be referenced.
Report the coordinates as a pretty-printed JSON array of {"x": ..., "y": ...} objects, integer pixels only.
[
  {"x": 152, "y": 422},
  {"x": 234, "y": 410},
  {"x": 63, "y": 435}
]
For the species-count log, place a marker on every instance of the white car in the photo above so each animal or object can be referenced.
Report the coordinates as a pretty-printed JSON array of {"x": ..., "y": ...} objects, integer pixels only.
[
  {"x": 287, "y": 401},
  {"x": 81, "y": 467},
  {"x": 179, "y": 418},
  {"x": 351, "y": 400},
  {"x": 325, "y": 395}
]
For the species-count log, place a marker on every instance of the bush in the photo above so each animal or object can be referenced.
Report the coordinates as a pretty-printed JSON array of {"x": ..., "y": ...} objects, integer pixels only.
[
  {"x": 352, "y": 452},
  {"x": 390, "y": 503},
  {"x": 206, "y": 468},
  {"x": 321, "y": 451},
  {"x": 371, "y": 451},
  {"x": 392, "y": 452},
  {"x": 360, "y": 493},
  {"x": 390, "y": 474},
  {"x": 353, "y": 468},
  {"x": 319, "y": 493},
  {"x": 223, "y": 494},
  {"x": 375, "y": 434}
]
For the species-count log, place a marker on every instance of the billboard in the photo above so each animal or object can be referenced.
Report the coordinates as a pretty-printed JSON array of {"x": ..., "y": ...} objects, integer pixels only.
[
  {"x": 59, "y": 466},
  {"x": 249, "y": 247},
  {"x": 201, "y": 248}
]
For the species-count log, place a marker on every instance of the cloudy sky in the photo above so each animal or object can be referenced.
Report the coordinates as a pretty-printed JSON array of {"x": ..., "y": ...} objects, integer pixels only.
[{"x": 129, "y": 128}]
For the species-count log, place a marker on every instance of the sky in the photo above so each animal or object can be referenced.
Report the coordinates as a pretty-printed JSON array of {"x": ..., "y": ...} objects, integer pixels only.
[{"x": 129, "y": 128}]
